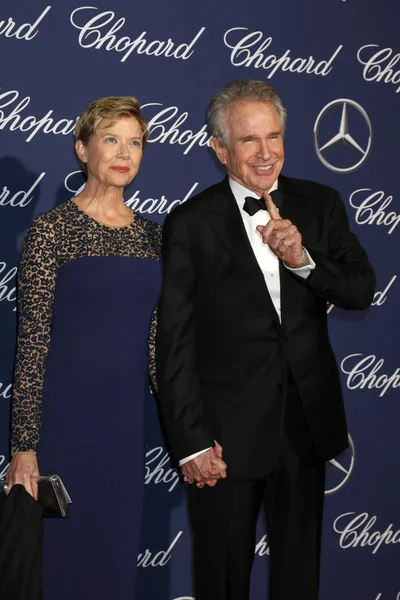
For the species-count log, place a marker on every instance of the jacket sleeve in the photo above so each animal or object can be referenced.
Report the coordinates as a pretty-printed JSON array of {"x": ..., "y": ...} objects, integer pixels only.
[
  {"x": 178, "y": 383},
  {"x": 343, "y": 276}
]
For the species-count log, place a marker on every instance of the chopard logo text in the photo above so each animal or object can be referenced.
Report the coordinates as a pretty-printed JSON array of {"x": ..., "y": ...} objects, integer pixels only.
[
  {"x": 379, "y": 64},
  {"x": 20, "y": 198},
  {"x": 166, "y": 127},
  {"x": 8, "y": 290},
  {"x": 14, "y": 120},
  {"x": 364, "y": 372},
  {"x": 4, "y": 464},
  {"x": 372, "y": 208},
  {"x": 99, "y": 30},
  {"x": 248, "y": 50},
  {"x": 359, "y": 531},
  {"x": 5, "y": 390},
  {"x": 158, "y": 559},
  {"x": 26, "y": 32},
  {"x": 147, "y": 205},
  {"x": 158, "y": 469}
]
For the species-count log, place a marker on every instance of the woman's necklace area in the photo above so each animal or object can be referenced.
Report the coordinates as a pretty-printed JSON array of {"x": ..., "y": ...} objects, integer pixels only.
[
  {"x": 115, "y": 226},
  {"x": 103, "y": 223}
]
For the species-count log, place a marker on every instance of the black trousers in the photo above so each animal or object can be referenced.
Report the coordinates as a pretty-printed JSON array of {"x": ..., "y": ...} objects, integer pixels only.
[{"x": 224, "y": 519}]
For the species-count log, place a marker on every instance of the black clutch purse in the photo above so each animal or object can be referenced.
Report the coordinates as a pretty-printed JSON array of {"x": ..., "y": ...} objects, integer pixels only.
[{"x": 52, "y": 495}]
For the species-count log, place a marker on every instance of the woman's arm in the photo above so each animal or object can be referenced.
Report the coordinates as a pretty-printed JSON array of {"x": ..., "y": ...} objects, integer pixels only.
[
  {"x": 152, "y": 349},
  {"x": 36, "y": 282}
]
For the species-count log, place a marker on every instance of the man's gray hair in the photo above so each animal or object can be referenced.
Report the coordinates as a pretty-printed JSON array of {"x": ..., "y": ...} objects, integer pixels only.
[{"x": 234, "y": 91}]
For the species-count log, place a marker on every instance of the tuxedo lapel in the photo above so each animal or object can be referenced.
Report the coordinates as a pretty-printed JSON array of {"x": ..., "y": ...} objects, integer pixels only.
[
  {"x": 294, "y": 205},
  {"x": 225, "y": 219}
]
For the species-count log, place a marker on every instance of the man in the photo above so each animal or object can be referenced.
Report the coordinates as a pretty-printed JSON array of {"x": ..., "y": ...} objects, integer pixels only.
[{"x": 249, "y": 388}]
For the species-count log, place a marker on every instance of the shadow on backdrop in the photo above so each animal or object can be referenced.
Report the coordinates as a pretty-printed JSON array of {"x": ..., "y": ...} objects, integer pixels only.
[
  {"x": 19, "y": 195},
  {"x": 18, "y": 199}
]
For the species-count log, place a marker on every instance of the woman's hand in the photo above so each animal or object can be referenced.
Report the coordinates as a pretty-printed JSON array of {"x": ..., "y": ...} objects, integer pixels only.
[{"x": 23, "y": 466}]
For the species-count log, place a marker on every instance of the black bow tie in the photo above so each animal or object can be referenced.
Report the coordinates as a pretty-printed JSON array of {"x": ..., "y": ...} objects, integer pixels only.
[{"x": 253, "y": 205}]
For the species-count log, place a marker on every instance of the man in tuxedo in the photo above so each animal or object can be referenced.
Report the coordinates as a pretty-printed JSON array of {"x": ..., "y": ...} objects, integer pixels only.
[{"x": 249, "y": 387}]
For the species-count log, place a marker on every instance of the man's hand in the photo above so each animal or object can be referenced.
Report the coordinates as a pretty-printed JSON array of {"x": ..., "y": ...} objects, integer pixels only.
[
  {"x": 206, "y": 468},
  {"x": 282, "y": 236}
]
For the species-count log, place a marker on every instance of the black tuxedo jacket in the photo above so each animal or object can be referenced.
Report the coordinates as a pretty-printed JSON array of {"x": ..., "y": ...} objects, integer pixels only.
[{"x": 223, "y": 355}]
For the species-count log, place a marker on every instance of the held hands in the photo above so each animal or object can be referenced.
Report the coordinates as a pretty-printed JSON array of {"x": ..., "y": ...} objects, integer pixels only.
[
  {"x": 23, "y": 466},
  {"x": 206, "y": 468},
  {"x": 282, "y": 236}
]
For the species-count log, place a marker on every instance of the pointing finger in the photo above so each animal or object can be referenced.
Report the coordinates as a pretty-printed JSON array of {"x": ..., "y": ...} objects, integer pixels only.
[{"x": 271, "y": 208}]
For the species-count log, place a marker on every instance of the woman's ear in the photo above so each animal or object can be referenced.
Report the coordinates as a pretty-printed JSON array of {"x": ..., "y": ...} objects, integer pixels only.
[{"x": 81, "y": 151}]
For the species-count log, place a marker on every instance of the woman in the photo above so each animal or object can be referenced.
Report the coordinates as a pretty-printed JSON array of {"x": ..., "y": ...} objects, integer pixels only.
[{"x": 89, "y": 278}]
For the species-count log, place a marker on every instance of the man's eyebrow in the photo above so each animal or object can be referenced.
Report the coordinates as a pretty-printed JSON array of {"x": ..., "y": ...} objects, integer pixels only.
[{"x": 251, "y": 136}]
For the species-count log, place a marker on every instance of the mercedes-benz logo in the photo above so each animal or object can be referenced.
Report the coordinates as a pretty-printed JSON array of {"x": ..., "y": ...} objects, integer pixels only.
[
  {"x": 341, "y": 469},
  {"x": 343, "y": 136}
]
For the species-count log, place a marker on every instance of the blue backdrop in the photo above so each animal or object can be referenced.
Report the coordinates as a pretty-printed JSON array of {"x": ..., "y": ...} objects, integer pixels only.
[{"x": 336, "y": 65}]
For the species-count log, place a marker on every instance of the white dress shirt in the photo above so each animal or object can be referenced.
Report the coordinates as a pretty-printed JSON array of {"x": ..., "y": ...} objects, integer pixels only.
[{"x": 267, "y": 261}]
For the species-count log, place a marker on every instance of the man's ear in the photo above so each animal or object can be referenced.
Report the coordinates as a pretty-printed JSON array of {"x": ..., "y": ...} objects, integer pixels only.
[
  {"x": 81, "y": 151},
  {"x": 219, "y": 150}
]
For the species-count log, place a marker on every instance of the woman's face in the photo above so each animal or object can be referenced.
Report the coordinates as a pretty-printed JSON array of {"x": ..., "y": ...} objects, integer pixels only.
[{"x": 114, "y": 152}]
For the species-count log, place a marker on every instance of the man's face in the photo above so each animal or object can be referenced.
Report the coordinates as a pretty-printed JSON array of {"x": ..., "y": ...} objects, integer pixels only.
[{"x": 254, "y": 152}]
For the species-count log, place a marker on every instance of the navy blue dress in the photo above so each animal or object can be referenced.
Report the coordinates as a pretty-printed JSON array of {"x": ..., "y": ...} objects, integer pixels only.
[{"x": 87, "y": 294}]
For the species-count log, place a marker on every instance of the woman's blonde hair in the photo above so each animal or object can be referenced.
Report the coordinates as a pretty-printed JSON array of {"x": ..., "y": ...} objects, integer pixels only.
[{"x": 110, "y": 107}]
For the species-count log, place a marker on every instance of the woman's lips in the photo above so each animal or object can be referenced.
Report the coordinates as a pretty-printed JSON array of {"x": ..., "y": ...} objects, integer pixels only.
[{"x": 121, "y": 169}]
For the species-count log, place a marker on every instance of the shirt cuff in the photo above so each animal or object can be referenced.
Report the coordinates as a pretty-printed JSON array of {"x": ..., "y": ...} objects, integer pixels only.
[
  {"x": 185, "y": 460},
  {"x": 303, "y": 272}
]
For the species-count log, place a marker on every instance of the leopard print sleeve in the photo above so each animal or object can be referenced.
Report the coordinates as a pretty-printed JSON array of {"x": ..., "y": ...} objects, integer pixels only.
[
  {"x": 152, "y": 350},
  {"x": 156, "y": 235},
  {"x": 36, "y": 282}
]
